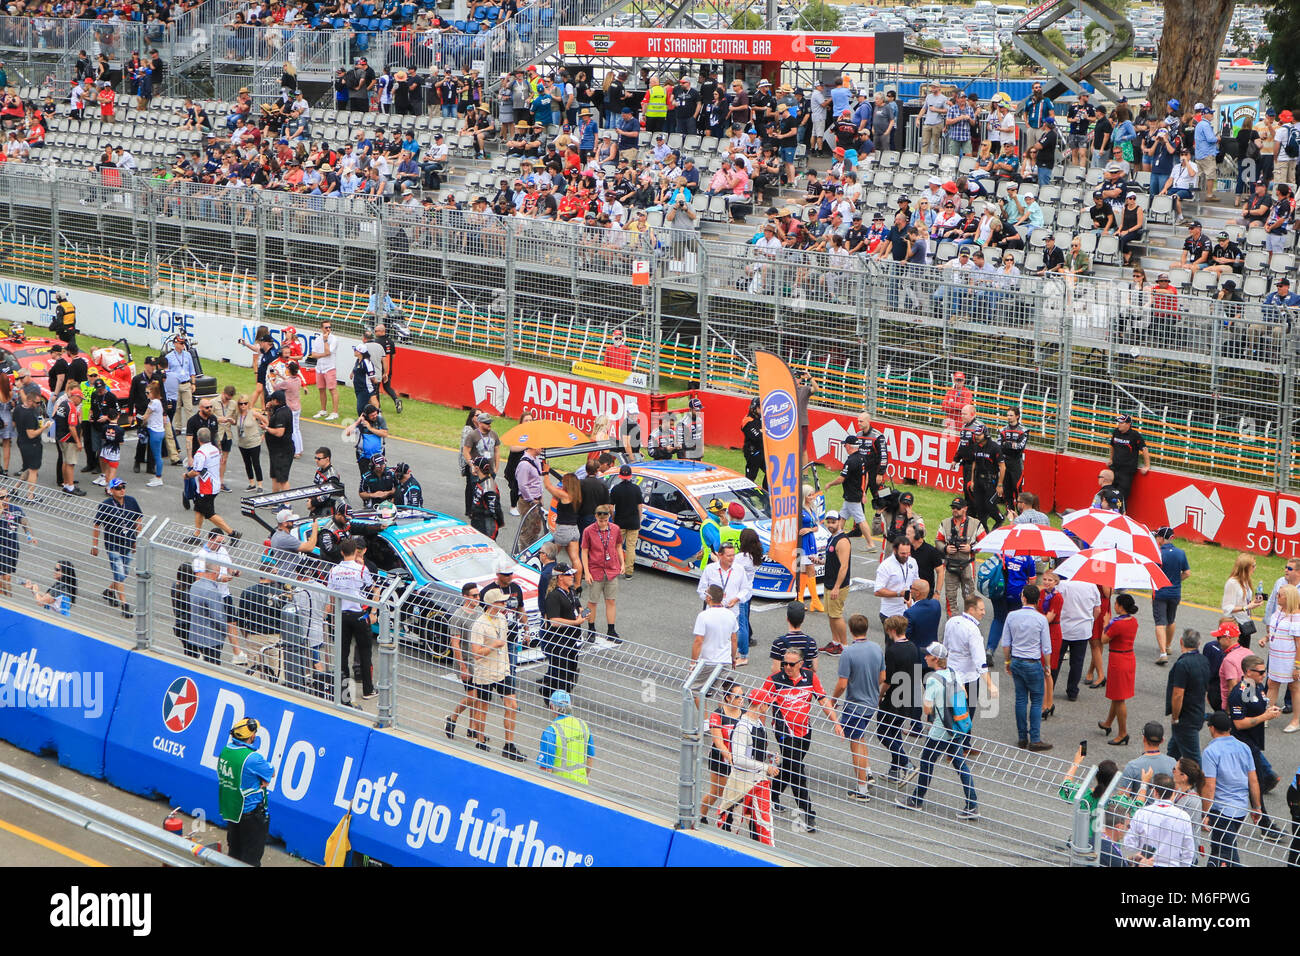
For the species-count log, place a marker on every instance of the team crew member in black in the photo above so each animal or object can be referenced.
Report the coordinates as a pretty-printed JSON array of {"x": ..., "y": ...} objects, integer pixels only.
[
  {"x": 390, "y": 357},
  {"x": 409, "y": 493},
  {"x": 378, "y": 484},
  {"x": 961, "y": 456},
  {"x": 323, "y": 504},
  {"x": 853, "y": 478},
  {"x": 104, "y": 411},
  {"x": 65, "y": 320},
  {"x": 794, "y": 639},
  {"x": 928, "y": 558},
  {"x": 986, "y": 465},
  {"x": 876, "y": 448},
  {"x": 342, "y": 526},
  {"x": 139, "y": 403},
  {"x": 561, "y": 633},
  {"x": 751, "y": 428},
  {"x": 1128, "y": 455},
  {"x": 485, "y": 512},
  {"x": 897, "y": 521},
  {"x": 1013, "y": 439}
]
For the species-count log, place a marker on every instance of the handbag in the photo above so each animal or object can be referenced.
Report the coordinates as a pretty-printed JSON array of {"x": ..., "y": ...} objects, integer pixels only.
[{"x": 1248, "y": 629}]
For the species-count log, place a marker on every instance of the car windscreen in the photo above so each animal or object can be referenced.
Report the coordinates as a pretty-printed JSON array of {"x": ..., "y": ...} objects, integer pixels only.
[{"x": 737, "y": 489}]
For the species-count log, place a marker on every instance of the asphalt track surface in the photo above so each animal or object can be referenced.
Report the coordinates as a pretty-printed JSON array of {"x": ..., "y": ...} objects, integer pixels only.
[{"x": 631, "y": 696}]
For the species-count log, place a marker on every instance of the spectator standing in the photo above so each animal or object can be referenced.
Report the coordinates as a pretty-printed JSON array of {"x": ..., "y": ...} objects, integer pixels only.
[
  {"x": 966, "y": 653},
  {"x": 1206, "y": 149},
  {"x": 1151, "y": 759},
  {"x": 1165, "y": 601},
  {"x": 67, "y": 433},
  {"x": 205, "y": 470},
  {"x": 1185, "y": 695},
  {"x": 861, "y": 674},
  {"x": 935, "y": 110},
  {"x": 120, "y": 518},
  {"x": 179, "y": 387},
  {"x": 1128, "y": 455},
  {"x": 30, "y": 423},
  {"x": 248, "y": 439},
  {"x": 944, "y": 738},
  {"x": 894, "y": 579},
  {"x": 629, "y": 507},
  {"x": 1240, "y": 598},
  {"x": 1162, "y": 831},
  {"x": 899, "y": 696},
  {"x": 602, "y": 566},
  {"x": 327, "y": 372},
  {"x": 479, "y": 441},
  {"x": 753, "y": 766},
  {"x": 562, "y": 632},
  {"x": 1027, "y": 645},
  {"x": 1231, "y": 790},
  {"x": 351, "y": 583},
  {"x": 12, "y": 520},
  {"x": 277, "y": 424},
  {"x": 1251, "y": 711}
]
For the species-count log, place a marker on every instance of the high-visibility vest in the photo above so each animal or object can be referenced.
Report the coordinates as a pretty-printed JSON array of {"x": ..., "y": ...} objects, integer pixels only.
[
  {"x": 705, "y": 551},
  {"x": 657, "y": 104},
  {"x": 67, "y": 315},
  {"x": 730, "y": 534},
  {"x": 571, "y": 737}
]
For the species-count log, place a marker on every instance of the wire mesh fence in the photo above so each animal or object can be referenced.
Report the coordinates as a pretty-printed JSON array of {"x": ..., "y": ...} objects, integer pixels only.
[
  {"x": 1209, "y": 380},
  {"x": 266, "y": 615}
]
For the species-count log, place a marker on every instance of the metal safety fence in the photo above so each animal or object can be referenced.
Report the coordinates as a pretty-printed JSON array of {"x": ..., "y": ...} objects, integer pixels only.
[
  {"x": 246, "y": 610},
  {"x": 1209, "y": 380}
]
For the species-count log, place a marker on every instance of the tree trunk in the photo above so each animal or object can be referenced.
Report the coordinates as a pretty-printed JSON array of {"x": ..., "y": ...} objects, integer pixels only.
[{"x": 1189, "y": 52}]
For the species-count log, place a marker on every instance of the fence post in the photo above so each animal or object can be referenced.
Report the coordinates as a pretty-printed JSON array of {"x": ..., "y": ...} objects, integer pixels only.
[
  {"x": 151, "y": 205},
  {"x": 687, "y": 775},
  {"x": 508, "y": 336},
  {"x": 870, "y": 292},
  {"x": 656, "y": 322},
  {"x": 1065, "y": 361},
  {"x": 390, "y": 614},
  {"x": 55, "y": 270},
  {"x": 144, "y": 582},
  {"x": 1080, "y": 846},
  {"x": 1286, "y": 414},
  {"x": 261, "y": 263},
  {"x": 702, "y": 308},
  {"x": 381, "y": 261}
]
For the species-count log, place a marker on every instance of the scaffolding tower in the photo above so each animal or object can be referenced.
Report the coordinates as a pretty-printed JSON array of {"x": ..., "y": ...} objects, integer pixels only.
[{"x": 1064, "y": 70}]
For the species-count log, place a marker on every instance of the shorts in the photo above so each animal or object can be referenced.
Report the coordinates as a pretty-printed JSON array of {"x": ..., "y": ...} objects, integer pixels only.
[
  {"x": 487, "y": 691},
  {"x": 787, "y": 154},
  {"x": 702, "y": 677},
  {"x": 1077, "y": 142},
  {"x": 226, "y": 444},
  {"x": 329, "y": 378},
  {"x": 1164, "y": 610},
  {"x": 71, "y": 453},
  {"x": 281, "y": 462},
  {"x": 854, "y": 719},
  {"x": 470, "y": 687},
  {"x": 717, "y": 766},
  {"x": 31, "y": 454},
  {"x": 565, "y": 534},
  {"x": 119, "y": 564},
  {"x": 597, "y": 590},
  {"x": 1180, "y": 193},
  {"x": 205, "y": 505},
  {"x": 835, "y": 606},
  {"x": 854, "y": 510}
]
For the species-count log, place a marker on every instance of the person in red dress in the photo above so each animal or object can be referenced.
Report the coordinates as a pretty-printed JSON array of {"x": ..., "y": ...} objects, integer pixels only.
[
  {"x": 1050, "y": 602},
  {"x": 1096, "y": 676},
  {"x": 1121, "y": 666}
]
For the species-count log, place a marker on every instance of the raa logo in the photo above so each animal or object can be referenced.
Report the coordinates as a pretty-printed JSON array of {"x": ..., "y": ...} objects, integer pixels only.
[{"x": 180, "y": 704}]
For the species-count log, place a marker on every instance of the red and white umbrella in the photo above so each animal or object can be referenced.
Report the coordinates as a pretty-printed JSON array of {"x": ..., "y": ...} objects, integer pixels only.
[
  {"x": 1140, "y": 543},
  {"x": 1087, "y": 523},
  {"x": 1028, "y": 539},
  {"x": 1113, "y": 569}
]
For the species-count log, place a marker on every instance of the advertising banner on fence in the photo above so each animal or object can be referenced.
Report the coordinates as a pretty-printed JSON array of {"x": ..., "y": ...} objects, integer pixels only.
[
  {"x": 57, "y": 690},
  {"x": 735, "y": 45},
  {"x": 219, "y": 335},
  {"x": 171, "y": 723},
  {"x": 781, "y": 447}
]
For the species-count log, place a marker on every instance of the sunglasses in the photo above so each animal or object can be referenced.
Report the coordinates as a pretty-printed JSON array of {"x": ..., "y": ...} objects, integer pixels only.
[
  {"x": 243, "y": 403},
  {"x": 792, "y": 663}
]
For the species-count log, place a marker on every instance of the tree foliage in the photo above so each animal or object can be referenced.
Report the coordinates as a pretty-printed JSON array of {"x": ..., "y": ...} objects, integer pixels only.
[
  {"x": 817, "y": 15},
  {"x": 1282, "y": 53},
  {"x": 1093, "y": 32},
  {"x": 1012, "y": 56},
  {"x": 747, "y": 20}
]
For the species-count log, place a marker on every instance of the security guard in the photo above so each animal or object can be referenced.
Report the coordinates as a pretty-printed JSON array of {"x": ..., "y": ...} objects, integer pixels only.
[
  {"x": 1013, "y": 439},
  {"x": 567, "y": 748},
  {"x": 985, "y": 465},
  {"x": 65, "y": 319},
  {"x": 243, "y": 775},
  {"x": 656, "y": 107}
]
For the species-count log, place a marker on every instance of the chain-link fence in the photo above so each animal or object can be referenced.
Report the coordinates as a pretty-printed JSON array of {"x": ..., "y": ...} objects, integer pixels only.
[
  {"x": 1209, "y": 379},
  {"x": 269, "y": 616}
]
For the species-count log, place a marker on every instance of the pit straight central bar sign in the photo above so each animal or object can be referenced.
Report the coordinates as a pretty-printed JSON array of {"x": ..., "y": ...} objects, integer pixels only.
[{"x": 866, "y": 48}]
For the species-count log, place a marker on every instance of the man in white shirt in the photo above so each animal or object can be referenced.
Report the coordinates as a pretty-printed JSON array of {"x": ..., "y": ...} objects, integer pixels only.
[
  {"x": 967, "y": 657},
  {"x": 894, "y": 580},
  {"x": 726, "y": 575},
  {"x": 1081, "y": 606},
  {"x": 1161, "y": 831},
  {"x": 350, "y": 579},
  {"x": 213, "y": 562},
  {"x": 716, "y": 631},
  {"x": 205, "y": 469},
  {"x": 327, "y": 371}
]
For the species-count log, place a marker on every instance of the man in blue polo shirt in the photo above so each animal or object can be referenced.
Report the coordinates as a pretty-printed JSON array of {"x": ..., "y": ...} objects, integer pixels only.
[
  {"x": 1232, "y": 788},
  {"x": 1164, "y": 601}
]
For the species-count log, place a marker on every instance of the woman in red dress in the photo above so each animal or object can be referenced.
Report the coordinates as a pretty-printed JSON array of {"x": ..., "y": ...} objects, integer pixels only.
[
  {"x": 1050, "y": 602},
  {"x": 1121, "y": 666}
]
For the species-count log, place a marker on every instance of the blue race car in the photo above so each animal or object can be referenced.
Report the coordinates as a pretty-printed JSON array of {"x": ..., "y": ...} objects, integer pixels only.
[{"x": 676, "y": 495}]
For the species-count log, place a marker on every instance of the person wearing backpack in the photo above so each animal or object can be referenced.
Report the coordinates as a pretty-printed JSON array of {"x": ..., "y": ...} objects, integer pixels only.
[
  {"x": 1286, "y": 149},
  {"x": 1027, "y": 644},
  {"x": 946, "y": 707}
]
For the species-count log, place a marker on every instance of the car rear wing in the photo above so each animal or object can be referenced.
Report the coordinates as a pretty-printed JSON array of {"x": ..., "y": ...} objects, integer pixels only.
[
  {"x": 586, "y": 448},
  {"x": 250, "y": 505}
]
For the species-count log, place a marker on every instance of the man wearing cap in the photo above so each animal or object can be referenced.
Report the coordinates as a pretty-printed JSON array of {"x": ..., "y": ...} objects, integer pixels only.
[
  {"x": 1206, "y": 146},
  {"x": 942, "y": 740},
  {"x": 567, "y": 748},
  {"x": 1196, "y": 249},
  {"x": 856, "y": 476},
  {"x": 1151, "y": 758},
  {"x": 690, "y": 432},
  {"x": 1182, "y": 180},
  {"x": 986, "y": 465},
  {"x": 686, "y": 106},
  {"x": 838, "y": 574},
  {"x": 1287, "y": 133},
  {"x": 629, "y": 131},
  {"x": 562, "y": 633},
  {"x": 121, "y": 519},
  {"x": 482, "y": 442},
  {"x": 284, "y": 538},
  {"x": 1165, "y": 601},
  {"x": 1128, "y": 454},
  {"x": 602, "y": 565},
  {"x": 491, "y": 673}
]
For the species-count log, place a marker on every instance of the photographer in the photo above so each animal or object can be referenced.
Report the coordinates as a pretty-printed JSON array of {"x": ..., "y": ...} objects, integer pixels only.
[
  {"x": 1182, "y": 181},
  {"x": 369, "y": 430},
  {"x": 956, "y": 539}
]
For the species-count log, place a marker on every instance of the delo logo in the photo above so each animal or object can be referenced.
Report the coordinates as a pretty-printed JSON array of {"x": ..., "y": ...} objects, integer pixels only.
[
  {"x": 492, "y": 388},
  {"x": 779, "y": 418},
  {"x": 180, "y": 704},
  {"x": 1191, "y": 506}
]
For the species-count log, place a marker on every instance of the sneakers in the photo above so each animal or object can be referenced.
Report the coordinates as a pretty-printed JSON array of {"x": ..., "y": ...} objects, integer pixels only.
[
  {"x": 398, "y": 403},
  {"x": 450, "y": 728},
  {"x": 332, "y": 417},
  {"x": 800, "y": 825},
  {"x": 511, "y": 752},
  {"x": 127, "y": 613},
  {"x": 832, "y": 648},
  {"x": 778, "y": 807},
  {"x": 321, "y": 414},
  {"x": 1162, "y": 660},
  {"x": 154, "y": 483},
  {"x": 101, "y": 481},
  {"x": 75, "y": 492},
  {"x": 908, "y": 803},
  {"x": 514, "y": 512},
  {"x": 371, "y": 696},
  {"x": 240, "y": 658},
  {"x": 911, "y": 774},
  {"x": 862, "y": 796},
  {"x": 968, "y": 813},
  {"x": 235, "y": 535},
  {"x": 110, "y": 597},
  {"x": 1038, "y": 746}
]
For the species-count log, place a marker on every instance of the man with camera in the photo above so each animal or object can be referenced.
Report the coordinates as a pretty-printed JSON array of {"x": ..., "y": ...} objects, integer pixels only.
[{"x": 958, "y": 534}]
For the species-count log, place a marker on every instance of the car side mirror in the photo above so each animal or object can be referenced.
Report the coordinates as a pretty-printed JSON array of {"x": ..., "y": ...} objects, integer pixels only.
[{"x": 688, "y": 517}]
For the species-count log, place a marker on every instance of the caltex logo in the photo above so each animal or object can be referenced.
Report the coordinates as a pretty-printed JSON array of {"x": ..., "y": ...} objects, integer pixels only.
[{"x": 180, "y": 704}]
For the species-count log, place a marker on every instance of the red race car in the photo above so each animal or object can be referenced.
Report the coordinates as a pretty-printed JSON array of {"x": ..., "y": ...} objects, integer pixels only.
[{"x": 111, "y": 363}]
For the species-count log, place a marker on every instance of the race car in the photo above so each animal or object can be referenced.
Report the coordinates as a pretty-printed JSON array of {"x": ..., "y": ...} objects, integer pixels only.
[
  {"x": 111, "y": 363},
  {"x": 432, "y": 553},
  {"x": 677, "y": 494}
]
